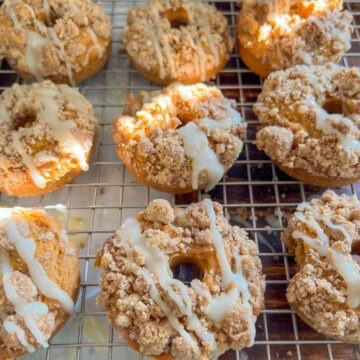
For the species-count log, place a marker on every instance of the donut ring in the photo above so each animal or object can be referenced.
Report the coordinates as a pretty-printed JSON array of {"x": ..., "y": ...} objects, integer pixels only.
[
  {"x": 66, "y": 41},
  {"x": 177, "y": 41},
  {"x": 323, "y": 235},
  {"x": 180, "y": 139},
  {"x": 278, "y": 34},
  {"x": 39, "y": 276},
  {"x": 159, "y": 315},
  {"x": 309, "y": 123},
  {"x": 47, "y": 137}
]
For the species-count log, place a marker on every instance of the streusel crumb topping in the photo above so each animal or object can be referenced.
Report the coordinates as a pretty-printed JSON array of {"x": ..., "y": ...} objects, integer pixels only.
[{"x": 310, "y": 119}]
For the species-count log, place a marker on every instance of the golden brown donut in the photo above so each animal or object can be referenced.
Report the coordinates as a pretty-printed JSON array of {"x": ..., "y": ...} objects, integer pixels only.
[
  {"x": 177, "y": 41},
  {"x": 277, "y": 34},
  {"x": 164, "y": 318},
  {"x": 325, "y": 292},
  {"x": 39, "y": 280},
  {"x": 309, "y": 118},
  {"x": 46, "y": 139},
  {"x": 180, "y": 139},
  {"x": 66, "y": 41}
]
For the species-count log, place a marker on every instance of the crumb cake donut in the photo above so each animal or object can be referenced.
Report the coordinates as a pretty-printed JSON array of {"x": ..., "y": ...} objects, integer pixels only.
[
  {"x": 309, "y": 118},
  {"x": 180, "y": 139},
  {"x": 39, "y": 280},
  {"x": 177, "y": 40},
  {"x": 278, "y": 34},
  {"x": 47, "y": 135},
  {"x": 324, "y": 237},
  {"x": 160, "y": 316},
  {"x": 66, "y": 41}
]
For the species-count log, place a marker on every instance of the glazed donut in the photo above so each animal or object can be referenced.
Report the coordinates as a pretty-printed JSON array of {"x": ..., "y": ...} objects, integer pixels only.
[
  {"x": 177, "y": 40},
  {"x": 278, "y": 34},
  {"x": 309, "y": 119},
  {"x": 66, "y": 41},
  {"x": 160, "y": 316},
  {"x": 324, "y": 237},
  {"x": 180, "y": 139},
  {"x": 46, "y": 139},
  {"x": 39, "y": 280}
]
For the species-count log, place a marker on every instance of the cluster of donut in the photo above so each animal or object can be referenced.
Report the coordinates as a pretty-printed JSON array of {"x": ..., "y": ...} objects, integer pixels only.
[{"x": 180, "y": 139}]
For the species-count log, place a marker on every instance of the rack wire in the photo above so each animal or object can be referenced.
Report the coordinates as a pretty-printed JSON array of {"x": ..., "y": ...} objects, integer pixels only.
[{"x": 255, "y": 195}]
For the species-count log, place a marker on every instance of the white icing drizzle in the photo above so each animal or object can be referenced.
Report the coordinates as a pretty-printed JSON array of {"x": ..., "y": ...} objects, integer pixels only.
[
  {"x": 225, "y": 124},
  {"x": 156, "y": 262},
  {"x": 59, "y": 207},
  {"x": 46, "y": 7},
  {"x": 221, "y": 305},
  {"x": 324, "y": 122},
  {"x": 11, "y": 327},
  {"x": 26, "y": 310},
  {"x": 96, "y": 46},
  {"x": 62, "y": 129},
  {"x": 196, "y": 147},
  {"x": 341, "y": 263},
  {"x": 27, "y": 160},
  {"x": 26, "y": 248}
]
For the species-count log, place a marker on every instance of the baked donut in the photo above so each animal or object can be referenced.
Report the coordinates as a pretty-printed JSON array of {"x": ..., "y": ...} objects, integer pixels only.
[
  {"x": 309, "y": 118},
  {"x": 46, "y": 139},
  {"x": 39, "y": 280},
  {"x": 177, "y": 40},
  {"x": 324, "y": 236},
  {"x": 278, "y": 34},
  {"x": 159, "y": 315},
  {"x": 66, "y": 41},
  {"x": 180, "y": 139}
]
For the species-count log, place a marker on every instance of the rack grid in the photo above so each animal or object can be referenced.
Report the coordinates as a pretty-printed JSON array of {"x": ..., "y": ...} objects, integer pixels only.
[{"x": 255, "y": 195}]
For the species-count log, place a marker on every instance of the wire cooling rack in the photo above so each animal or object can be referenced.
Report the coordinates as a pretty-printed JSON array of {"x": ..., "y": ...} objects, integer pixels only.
[{"x": 255, "y": 194}]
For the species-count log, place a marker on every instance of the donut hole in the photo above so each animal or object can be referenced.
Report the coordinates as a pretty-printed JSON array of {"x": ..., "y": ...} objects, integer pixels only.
[
  {"x": 51, "y": 19},
  {"x": 177, "y": 17},
  {"x": 335, "y": 106},
  {"x": 24, "y": 120},
  {"x": 186, "y": 270}
]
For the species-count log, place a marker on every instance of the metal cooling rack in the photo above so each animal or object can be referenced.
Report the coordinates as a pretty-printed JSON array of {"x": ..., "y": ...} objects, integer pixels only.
[{"x": 255, "y": 195}]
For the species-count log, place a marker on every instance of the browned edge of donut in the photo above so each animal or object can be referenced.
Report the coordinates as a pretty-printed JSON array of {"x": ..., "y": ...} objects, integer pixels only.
[
  {"x": 253, "y": 63},
  {"x": 60, "y": 321},
  {"x": 315, "y": 180},
  {"x": 30, "y": 189},
  {"x": 310, "y": 323},
  {"x": 85, "y": 73},
  {"x": 191, "y": 78}
]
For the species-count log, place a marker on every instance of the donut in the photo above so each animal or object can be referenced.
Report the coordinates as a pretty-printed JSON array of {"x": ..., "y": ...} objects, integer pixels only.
[
  {"x": 47, "y": 137},
  {"x": 159, "y": 315},
  {"x": 180, "y": 139},
  {"x": 323, "y": 234},
  {"x": 309, "y": 117},
  {"x": 177, "y": 41},
  {"x": 277, "y": 34},
  {"x": 39, "y": 280},
  {"x": 66, "y": 41}
]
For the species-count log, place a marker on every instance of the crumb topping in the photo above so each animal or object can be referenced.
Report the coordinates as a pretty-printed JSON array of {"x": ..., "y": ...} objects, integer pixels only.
[
  {"x": 52, "y": 37},
  {"x": 286, "y": 33},
  {"x": 310, "y": 119},
  {"x": 147, "y": 134},
  {"x": 128, "y": 295},
  {"x": 176, "y": 38},
  {"x": 41, "y": 125},
  {"x": 318, "y": 291}
]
